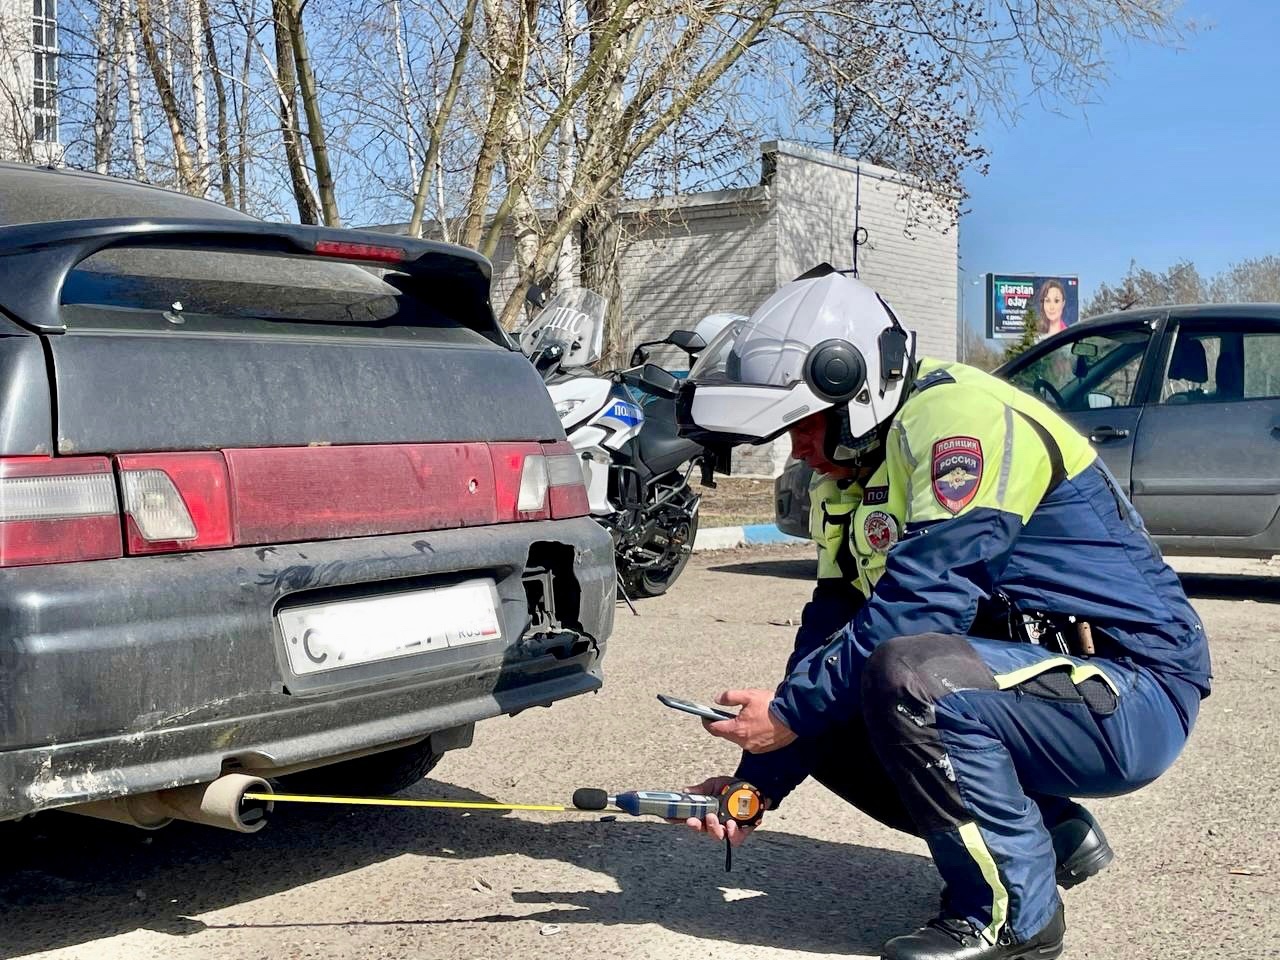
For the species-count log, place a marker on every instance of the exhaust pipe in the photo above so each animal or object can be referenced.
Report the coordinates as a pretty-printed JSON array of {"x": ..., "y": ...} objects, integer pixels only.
[{"x": 217, "y": 804}]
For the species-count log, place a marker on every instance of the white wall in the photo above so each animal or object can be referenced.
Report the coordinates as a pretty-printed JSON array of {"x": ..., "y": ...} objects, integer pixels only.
[
  {"x": 703, "y": 254},
  {"x": 683, "y": 259},
  {"x": 15, "y": 74},
  {"x": 17, "y": 124},
  {"x": 913, "y": 266}
]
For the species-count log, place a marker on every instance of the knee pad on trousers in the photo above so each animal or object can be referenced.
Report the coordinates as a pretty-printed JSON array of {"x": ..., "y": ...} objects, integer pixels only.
[
  {"x": 903, "y": 682},
  {"x": 906, "y": 676}
]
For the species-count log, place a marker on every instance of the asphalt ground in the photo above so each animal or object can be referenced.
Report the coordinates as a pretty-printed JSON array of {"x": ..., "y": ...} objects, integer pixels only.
[{"x": 1196, "y": 875}]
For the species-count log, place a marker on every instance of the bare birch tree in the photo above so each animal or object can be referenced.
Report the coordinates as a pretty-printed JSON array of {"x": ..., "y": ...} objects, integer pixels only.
[
  {"x": 106, "y": 83},
  {"x": 406, "y": 102},
  {"x": 443, "y": 111},
  {"x": 566, "y": 136},
  {"x": 286, "y": 83},
  {"x": 246, "y": 18},
  {"x": 134, "y": 86},
  {"x": 196, "y": 66},
  {"x": 220, "y": 101}
]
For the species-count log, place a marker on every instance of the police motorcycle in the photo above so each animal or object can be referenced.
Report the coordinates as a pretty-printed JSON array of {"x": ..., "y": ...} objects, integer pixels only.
[{"x": 622, "y": 423}]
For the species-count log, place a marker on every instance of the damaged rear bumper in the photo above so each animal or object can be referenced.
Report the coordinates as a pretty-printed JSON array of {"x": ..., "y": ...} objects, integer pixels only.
[{"x": 142, "y": 674}]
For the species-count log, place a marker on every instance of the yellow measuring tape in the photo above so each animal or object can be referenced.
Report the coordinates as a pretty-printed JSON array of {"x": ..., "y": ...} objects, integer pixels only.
[{"x": 392, "y": 802}]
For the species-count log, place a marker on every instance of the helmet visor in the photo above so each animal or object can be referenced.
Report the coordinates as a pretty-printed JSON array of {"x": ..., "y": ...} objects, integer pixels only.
[{"x": 712, "y": 363}]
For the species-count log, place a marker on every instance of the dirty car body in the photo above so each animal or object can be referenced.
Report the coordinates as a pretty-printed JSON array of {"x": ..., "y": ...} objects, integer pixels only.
[{"x": 271, "y": 497}]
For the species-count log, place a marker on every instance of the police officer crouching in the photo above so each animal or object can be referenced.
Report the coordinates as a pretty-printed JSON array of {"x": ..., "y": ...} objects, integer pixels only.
[{"x": 954, "y": 514}]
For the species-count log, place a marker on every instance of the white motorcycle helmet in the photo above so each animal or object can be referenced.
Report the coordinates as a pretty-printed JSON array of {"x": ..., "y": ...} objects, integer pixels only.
[{"x": 825, "y": 341}]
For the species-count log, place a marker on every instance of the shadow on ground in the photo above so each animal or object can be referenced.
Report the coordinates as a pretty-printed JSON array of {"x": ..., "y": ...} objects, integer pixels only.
[
  {"x": 796, "y": 568},
  {"x": 69, "y": 881},
  {"x": 1202, "y": 586},
  {"x": 1224, "y": 586}
]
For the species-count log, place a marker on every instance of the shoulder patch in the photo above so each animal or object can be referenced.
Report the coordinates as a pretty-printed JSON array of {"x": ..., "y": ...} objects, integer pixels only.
[
  {"x": 956, "y": 471},
  {"x": 932, "y": 380}
]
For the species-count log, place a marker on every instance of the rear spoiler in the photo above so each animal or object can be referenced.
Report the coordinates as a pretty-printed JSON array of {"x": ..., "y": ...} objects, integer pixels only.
[{"x": 36, "y": 258}]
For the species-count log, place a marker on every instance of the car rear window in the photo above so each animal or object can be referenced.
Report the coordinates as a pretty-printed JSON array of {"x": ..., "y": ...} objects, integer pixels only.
[{"x": 247, "y": 286}]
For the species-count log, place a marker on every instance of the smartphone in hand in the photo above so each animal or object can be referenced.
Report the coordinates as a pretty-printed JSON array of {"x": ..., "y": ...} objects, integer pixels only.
[{"x": 697, "y": 709}]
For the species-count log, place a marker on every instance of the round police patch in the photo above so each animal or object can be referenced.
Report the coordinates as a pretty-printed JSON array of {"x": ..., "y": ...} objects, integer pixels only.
[{"x": 881, "y": 531}]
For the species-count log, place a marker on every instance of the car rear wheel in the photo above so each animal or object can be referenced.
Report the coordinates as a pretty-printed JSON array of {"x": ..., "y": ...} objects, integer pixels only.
[{"x": 379, "y": 774}]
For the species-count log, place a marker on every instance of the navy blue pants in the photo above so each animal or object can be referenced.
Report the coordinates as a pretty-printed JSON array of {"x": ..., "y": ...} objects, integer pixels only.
[{"x": 979, "y": 736}]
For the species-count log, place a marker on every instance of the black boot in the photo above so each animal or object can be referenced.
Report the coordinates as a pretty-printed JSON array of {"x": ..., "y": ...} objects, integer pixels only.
[
  {"x": 1080, "y": 847},
  {"x": 948, "y": 938}
]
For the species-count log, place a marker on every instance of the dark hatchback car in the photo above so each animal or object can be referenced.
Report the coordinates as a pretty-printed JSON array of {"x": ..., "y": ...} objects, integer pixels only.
[
  {"x": 1183, "y": 405},
  {"x": 274, "y": 500}
]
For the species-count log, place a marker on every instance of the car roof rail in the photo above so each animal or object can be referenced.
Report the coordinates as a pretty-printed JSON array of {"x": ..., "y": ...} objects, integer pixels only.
[{"x": 36, "y": 258}]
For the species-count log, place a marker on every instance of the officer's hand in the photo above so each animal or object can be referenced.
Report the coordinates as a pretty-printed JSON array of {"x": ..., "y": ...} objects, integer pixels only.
[
  {"x": 755, "y": 728},
  {"x": 711, "y": 825}
]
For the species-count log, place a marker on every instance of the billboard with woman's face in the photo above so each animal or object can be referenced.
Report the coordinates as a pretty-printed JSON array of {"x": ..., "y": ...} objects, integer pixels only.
[{"x": 1054, "y": 302}]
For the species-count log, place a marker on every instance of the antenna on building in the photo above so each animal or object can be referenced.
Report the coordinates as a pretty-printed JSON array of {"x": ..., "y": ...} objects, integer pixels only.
[{"x": 859, "y": 233}]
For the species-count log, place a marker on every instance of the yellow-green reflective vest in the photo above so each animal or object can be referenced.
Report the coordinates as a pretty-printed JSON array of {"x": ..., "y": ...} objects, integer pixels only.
[{"x": 855, "y": 526}]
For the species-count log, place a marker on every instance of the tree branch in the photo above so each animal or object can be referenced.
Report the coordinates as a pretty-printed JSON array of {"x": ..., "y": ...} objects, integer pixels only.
[{"x": 444, "y": 110}]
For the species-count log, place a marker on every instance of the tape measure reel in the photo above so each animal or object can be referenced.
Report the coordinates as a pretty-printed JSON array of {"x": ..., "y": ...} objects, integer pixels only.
[{"x": 741, "y": 803}]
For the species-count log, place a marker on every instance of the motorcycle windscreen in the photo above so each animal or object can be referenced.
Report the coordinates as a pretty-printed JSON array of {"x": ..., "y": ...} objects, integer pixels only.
[{"x": 572, "y": 320}]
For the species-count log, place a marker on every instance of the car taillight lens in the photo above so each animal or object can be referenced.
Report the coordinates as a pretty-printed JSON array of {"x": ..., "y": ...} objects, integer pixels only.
[
  {"x": 566, "y": 481},
  {"x": 533, "y": 484},
  {"x": 175, "y": 501},
  {"x": 520, "y": 481},
  {"x": 57, "y": 510},
  {"x": 539, "y": 481}
]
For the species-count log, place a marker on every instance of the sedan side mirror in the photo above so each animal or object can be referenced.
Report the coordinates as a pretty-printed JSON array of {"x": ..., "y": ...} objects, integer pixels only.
[
  {"x": 659, "y": 381},
  {"x": 639, "y": 355}
]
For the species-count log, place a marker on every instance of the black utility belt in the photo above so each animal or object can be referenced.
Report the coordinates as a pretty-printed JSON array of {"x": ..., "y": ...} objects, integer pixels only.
[{"x": 1067, "y": 634}]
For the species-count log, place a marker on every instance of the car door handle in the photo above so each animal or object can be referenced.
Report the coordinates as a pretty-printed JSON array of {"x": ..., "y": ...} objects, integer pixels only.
[{"x": 1103, "y": 434}]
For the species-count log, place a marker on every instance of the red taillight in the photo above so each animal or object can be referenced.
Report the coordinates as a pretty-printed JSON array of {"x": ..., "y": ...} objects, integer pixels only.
[
  {"x": 57, "y": 510},
  {"x": 539, "y": 481},
  {"x": 175, "y": 501},
  {"x": 317, "y": 493},
  {"x": 567, "y": 483},
  {"x": 360, "y": 251},
  {"x": 520, "y": 481}
]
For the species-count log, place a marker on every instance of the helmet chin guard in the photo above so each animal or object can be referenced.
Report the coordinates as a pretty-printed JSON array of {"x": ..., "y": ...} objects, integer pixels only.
[{"x": 844, "y": 450}]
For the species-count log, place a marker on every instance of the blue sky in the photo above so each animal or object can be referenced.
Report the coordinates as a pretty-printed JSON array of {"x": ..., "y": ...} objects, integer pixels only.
[{"x": 1180, "y": 158}]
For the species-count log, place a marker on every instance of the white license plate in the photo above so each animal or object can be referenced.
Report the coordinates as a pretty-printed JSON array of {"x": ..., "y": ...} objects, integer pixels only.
[{"x": 345, "y": 633}]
